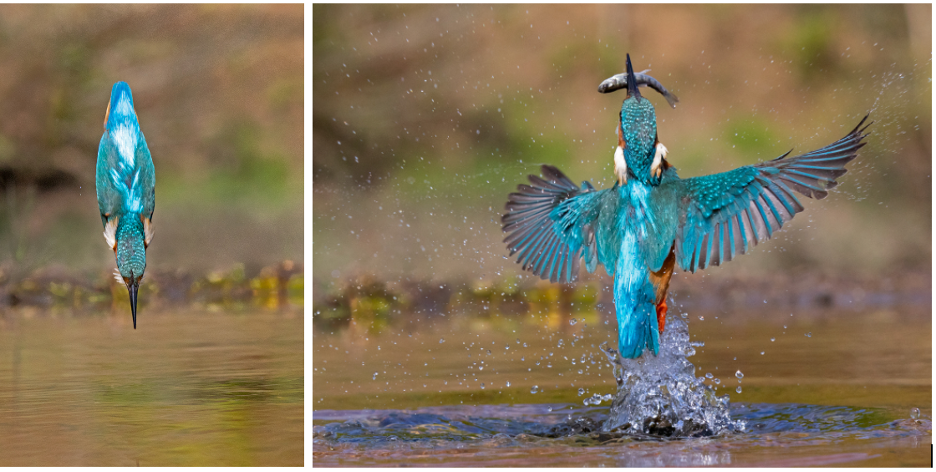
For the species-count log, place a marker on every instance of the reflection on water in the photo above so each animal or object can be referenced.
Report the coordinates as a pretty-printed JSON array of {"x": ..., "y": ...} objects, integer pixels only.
[{"x": 185, "y": 388}]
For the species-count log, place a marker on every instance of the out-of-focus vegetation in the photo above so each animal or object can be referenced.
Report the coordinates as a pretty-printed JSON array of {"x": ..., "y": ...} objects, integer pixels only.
[
  {"x": 366, "y": 305},
  {"x": 219, "y": 93},
  {"x": 426, "y": 117},
  {"x": 274, "y": 287}
]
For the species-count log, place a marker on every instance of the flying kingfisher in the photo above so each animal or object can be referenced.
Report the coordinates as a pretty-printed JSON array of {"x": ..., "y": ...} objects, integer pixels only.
[
  {"x": 651, "y": 220},
  {"x": 126, "y": 190}
]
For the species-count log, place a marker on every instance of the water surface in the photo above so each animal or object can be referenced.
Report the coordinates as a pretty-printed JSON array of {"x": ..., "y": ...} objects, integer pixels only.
[
  {"x": 188, "y": 387},
  {"x": 817, "y": 387}
]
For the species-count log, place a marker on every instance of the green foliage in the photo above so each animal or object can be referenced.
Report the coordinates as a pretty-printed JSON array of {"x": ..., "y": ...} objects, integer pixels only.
[{"x": 750, "y": 136}]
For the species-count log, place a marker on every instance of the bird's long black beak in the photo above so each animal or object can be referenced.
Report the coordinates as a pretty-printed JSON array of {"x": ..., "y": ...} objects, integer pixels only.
[
  {"x": 632, "y": 89},
  {"x": 133, "y": 300}
]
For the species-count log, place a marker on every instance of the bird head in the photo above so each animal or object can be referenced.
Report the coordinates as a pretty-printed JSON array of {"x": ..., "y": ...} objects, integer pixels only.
[
  {"x": 637, "y": 130},
  {"x": 636, "y": 109},
  {"x": 131, "y": 258}
]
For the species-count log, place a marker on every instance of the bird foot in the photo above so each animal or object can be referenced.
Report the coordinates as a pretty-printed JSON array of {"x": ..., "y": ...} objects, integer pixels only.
[
  {"x": 661, "y": 314},
  {"x": 656, "y": 169},
  {"x": 620, "y": 165}
]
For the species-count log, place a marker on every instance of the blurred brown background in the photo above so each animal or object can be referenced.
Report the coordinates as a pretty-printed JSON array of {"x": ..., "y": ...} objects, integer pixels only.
[
  {"x": 426, "y": 117},
  {"x": 219, "y": 93}
]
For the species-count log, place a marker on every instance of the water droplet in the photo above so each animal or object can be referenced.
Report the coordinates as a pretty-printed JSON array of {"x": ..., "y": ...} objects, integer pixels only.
[
  {"x": 915, "y": 413},
  {"x": 772, "y": 339},
  {"x": 375, "y": 376},
  {"x": 581, "y": 392},
  {"x": 482, "y": 385},
  {"x": 809, "y": 334},
  {"x": 739, "y": 375},
  {"x": 535, "y": 389},
  {"x": 709, "y": 375},
  {"x": 572, "y": 322},
  {"x": 441, "y": 340},
  {"x": 762, "y": 353},
  {"x": 738, "y": 389},
  {"x": 508, "y": 383}
]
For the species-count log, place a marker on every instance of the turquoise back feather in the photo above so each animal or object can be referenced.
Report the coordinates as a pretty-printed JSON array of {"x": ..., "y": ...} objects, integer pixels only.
[{"x": 125, "y": 177}]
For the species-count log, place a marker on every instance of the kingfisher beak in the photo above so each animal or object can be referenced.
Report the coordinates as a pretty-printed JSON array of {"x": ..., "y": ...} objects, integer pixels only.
[
  {"x": 632, "y": 90},
  {"x": 133, "y": 287}
]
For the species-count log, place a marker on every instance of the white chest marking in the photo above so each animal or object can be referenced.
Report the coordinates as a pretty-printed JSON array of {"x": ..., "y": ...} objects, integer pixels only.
[
  {"x": 110, "y": 232},
  {"x": 620, "y": 165},
  {"x": 656, "y": 169}
]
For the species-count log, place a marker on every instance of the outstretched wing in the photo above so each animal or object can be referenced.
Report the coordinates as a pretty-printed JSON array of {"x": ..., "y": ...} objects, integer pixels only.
[
  {"x": 550, "y": 225},
  {"x": 721, "y": 215}
]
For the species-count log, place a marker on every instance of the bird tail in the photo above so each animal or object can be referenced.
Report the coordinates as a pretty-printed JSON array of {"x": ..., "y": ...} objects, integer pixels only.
[
  {"x": 635, "y": 303},
  {"x": 637, "y": 329}
]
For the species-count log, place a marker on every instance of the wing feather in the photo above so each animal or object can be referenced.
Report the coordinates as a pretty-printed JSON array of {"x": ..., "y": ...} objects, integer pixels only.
[
  {"x": 723, "y": 215},
  {"x": 549, "y": 225}
]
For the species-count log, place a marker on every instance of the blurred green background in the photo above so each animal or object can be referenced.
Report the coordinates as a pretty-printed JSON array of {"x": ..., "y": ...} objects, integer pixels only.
[
  {"x": 219, "y": 93},
  {"x": 425, "y": 118}
]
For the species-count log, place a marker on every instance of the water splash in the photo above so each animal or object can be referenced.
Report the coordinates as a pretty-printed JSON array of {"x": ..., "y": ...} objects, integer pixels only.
[{"x": 661, "y": 396}]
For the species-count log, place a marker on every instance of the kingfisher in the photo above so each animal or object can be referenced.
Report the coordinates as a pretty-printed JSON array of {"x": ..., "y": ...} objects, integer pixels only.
[
  {"x": 126, "y": 190},
  {"x": 651, "y": 220}
]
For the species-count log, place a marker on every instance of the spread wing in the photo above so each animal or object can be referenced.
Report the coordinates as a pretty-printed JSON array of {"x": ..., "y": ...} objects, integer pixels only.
[
  {"x": 550, "y": 225},
  {"x": 722, "y": 215}
]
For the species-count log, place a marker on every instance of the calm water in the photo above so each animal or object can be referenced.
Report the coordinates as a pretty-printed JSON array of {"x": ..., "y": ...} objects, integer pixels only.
[
  {"x": 185, "y": 388},
  {"x": 817, "y": 388}
]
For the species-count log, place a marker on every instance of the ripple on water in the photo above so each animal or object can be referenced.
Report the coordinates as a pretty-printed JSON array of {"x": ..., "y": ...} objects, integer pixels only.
[{"x": 525, "y": 434}]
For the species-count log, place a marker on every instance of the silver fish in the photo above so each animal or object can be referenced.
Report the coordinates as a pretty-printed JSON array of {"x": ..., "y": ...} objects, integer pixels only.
[{"x": 619, "y": 81}]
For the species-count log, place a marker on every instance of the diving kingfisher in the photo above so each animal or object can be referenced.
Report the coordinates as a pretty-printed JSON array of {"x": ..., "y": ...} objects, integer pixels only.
[
  {"x": 126, "y": 190},
  {"x": 651, "y": 220}
]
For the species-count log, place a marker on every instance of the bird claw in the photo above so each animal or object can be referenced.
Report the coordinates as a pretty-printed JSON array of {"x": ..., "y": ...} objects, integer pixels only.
[
  {"x": 656, "y": 169},
  {"x": 620, "y": 165}
]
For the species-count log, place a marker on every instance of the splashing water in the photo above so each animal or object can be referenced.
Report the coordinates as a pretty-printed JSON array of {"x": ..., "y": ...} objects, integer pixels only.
[{"x": 661, "y": 396}]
